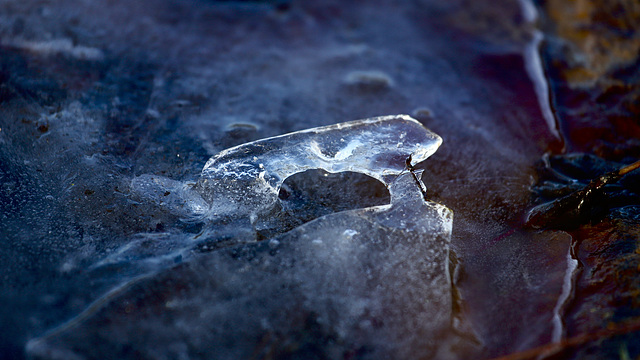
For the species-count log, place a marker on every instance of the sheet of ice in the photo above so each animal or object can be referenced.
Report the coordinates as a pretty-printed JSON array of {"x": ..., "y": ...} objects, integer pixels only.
[
  {"x": 238, "y": 188},
  {"x": 377, "y": 147},
  {"x": 351, "y": 282}
]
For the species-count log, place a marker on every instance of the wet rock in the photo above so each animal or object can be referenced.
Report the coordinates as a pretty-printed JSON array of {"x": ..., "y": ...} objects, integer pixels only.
[
  {"x": 591, "y": 56},
  {"x": 592, "y": 60}
]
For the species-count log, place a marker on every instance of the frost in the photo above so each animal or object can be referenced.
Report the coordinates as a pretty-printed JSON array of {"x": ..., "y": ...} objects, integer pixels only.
[
  {"x": 351, "y": 281},
  {"x": 176, "y": 195},
  {"x": 350, "y": 233}
]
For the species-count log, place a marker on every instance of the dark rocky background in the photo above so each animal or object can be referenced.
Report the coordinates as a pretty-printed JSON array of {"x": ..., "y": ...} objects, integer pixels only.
[{"x": 94, "y": 93}]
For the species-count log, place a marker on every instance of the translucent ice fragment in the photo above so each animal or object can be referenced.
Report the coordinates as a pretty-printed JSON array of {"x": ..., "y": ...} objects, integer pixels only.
[
  {"x": 372, "y": 279},
  {"x": 237, "y": 193},
  {"x": 368, "y": 281},
  {"x": 246, "y": 179}
]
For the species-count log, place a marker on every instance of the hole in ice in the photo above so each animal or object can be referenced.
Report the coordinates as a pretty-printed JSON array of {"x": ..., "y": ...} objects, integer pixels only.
[
  {"x": 310, "y": 194},
  {"x": 315, "y": 193}
]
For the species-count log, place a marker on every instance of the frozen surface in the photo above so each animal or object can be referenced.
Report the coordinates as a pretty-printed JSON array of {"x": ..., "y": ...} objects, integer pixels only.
[
  {"x": 236, "y": 196},
  {"x": 110, "y": 110},
  {"x": 357, "y": 281},
  {"x": 246, "y": 179}
]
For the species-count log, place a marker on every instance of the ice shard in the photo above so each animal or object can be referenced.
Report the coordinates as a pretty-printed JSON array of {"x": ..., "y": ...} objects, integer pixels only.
[
  {"x": 364, "y": 283},
  {"x": 376, "y": 147}
]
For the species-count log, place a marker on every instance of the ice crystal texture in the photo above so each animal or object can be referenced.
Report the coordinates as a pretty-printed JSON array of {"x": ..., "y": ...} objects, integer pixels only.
[
  {"x": 245, "y": 179},
  {"x": 351, "y": 282}
]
